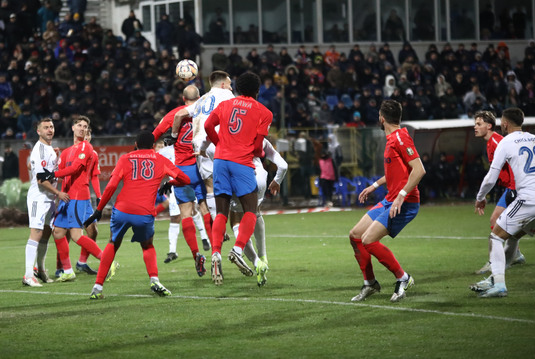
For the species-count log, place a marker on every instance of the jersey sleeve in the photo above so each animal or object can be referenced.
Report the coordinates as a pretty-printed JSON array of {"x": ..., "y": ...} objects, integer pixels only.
[
  {"x": 81, "y": 161},
  {"x": 36, "y": 161},
  {"x": 164, "y": 125},
  {"x": 265, "y": 123},
  {"x": 406, "y": 149},
  {"x": 209, "y": 126},
  {"x": 276, "y": 158}
]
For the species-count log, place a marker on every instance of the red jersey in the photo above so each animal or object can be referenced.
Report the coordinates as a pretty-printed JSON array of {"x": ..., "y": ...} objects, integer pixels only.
[
  {"x": 506, "y": 178},
  {"x": 94, "y": 171},
  {"x": 74, "y": 168},
  {"x": 183, "y": 147},
  {"x": 399, "y": 151},
  {"x": 240, "y": 120},
  {"x": 141, "y": 172}
]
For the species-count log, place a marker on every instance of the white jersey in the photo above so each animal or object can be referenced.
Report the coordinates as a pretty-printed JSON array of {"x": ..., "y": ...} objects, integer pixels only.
[
  {"x": 517, "y": 149},
  {"x": 42, "y": 156},
  {"x": 168, "y": 152},
  {"x": 276, "y": 158},
  {"x": 202, "y": 108}
]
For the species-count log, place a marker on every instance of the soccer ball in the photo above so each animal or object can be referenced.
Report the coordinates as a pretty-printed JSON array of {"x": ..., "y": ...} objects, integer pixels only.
[{"x": 187, "y": 69}]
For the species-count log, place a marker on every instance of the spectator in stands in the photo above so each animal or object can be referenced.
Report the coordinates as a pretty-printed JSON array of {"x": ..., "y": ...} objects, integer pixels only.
[
  {"x": 13, "y": 32},
  {"x": 78, "y": 7},
  {"x": 284, "y": 58},
  {"x": 165, "y": 32},
  {"x": 220, "y": 61},
  {"x": 267, "y": 91},
  {"x": 406, "y": 51},
  {"x": 394, "y": 29},
  {"x": 527, "y": 99},
  {"x": 46, "y": 14},
  {"x": 5, "y": 87},
  {"x": 441, "y": 86},
  {"x": 130, "y": 25},
  {"x": 10, "y": 166},
  {"x": 25, "y": 122}
]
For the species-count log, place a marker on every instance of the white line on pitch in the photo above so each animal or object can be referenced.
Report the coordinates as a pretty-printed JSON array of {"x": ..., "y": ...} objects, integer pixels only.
[{"x": 313, "y": 301}]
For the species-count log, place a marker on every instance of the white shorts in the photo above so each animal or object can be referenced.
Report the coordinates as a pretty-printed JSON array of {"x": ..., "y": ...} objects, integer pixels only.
[
  {"x": 517, "y": 216},
  {"x": 174, "y": 210},
  {"x": 261, "y": 183},
  {"x": 40, "y": 213},
  {"x": 206, "y": 164}
]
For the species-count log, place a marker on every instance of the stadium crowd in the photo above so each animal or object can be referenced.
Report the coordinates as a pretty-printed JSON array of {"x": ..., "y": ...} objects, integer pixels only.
[{"x": 63, "y": 67}]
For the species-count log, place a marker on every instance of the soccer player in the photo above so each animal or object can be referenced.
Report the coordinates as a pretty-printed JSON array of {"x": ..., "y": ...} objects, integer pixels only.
[
  {"x": 517, "y": 149},
  {"x": 73, "y": 168},
  {"x": 41, "y": 205},
  {"x": 220, "y": 90},
  {"x": 485, "y": 122},
  {"x": 403, "y": 172},
  {"x": 185, "y": 160},
  {"x": 243, "y": 123},
  {"x": 259, "y": 259},
  {"x": 141, "y": 171}
]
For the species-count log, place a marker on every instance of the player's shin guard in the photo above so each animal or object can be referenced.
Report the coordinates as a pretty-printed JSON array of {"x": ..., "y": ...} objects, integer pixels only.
[
  {"x": 208, "y": 226},
  {"x": 363, "y": 257},
  {"x": 108, "y": 255},
  {"x": 149, "y": 257},
  {"x": 247, "y": 225},
  {"x": 218, "y": 231},
  {"x": 188, "y": 229},
  {"x": 496, "y": 256},
  {"x": 385, "y": 257},
  {"x": 63, "y": 251},
  {"x": 210, "y": 203},
  {"x": 89, "y": 245}
]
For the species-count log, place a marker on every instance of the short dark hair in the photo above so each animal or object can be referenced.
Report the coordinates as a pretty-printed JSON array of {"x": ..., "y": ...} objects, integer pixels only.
[
  {"x": 487, "y": 117},
  {"x": 248, "y": 84},
  {"x": 514, "y": 115},
  {"x": 44, "y": 119},
  {"x": 145, "y": 140},
  {"x": 217, "y": 76},
  {"x": 391, "y": 111},
  {"x": 81, "y": 118}
]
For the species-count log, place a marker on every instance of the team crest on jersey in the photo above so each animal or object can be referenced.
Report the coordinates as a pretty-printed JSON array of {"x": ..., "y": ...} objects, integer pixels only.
[
  {"x": 81, "y": 156},
  {"x": 43, "y": 163},
  {"x": 410, "y": 152}
]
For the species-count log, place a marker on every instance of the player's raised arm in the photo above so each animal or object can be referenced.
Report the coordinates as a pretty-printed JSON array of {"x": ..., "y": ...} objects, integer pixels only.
[{"x": 179, "y": 116}]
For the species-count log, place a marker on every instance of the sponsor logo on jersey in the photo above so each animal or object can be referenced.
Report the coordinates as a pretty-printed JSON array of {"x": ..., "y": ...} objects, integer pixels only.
[
  {"x": 81, "y": 156},
  {"x": 43, "y": 163},
  {"x": 410, "y": 152}
]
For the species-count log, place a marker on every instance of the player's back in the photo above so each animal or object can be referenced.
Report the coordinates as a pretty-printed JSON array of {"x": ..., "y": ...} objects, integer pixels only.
[
  {"x": 203, "y": 107},
  {"x": 141, "y": 172},
  {"x": 519, "y": 151}
]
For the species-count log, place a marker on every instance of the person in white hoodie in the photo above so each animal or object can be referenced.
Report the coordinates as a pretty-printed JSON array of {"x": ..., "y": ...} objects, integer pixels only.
[{"x": 390, "y": 86}]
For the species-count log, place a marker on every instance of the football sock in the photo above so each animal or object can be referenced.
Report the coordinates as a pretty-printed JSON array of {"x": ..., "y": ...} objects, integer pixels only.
[
  {"x": 260, "y": 235},
  {"x": 159, "y": 208},
  {"x": 210, "y": 203},
  {"x": 511, "y": 247},
  {"x": 199, "y": 223},
  {"x": 31, "y": 255},
  {"x": 58, "y": 261},
  {"x": 247, "y": 225},
  {"x": 405, "y": 276},
  {"x": 98, "y": 287},
  {"x": 188, "y": 229},
  {"x": 174, "y": 231},
  {"x": 84, "y": 254},
  {"x": 364, "y": 260},
  {"x": 218, "y": 231},
  {"x": 236, "y": 230},
  {"x": 385, "y": 257},
  {"x": 90, "y": 245},
  {"x": 149, "y": 257},
  {"x": 63, "y": 251},
  {"x": 42, "y": 248},
  {"x": 237, "y": 249},
  {"x": 250, "y": 252},
  {"x": 208, "y": 225},
  {"x": 108, "y": 255},
  {"x": 496, "y": 256}
]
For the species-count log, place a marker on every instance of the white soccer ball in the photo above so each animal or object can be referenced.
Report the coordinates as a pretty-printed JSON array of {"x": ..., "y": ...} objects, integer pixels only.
[{"x": 187, "y": 69}]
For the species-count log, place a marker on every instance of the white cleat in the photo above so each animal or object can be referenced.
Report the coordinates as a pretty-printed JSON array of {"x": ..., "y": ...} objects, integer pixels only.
[
  {"x": 240, "y": 263},
  {"x": 217, "y": 273},
  {"x": 483, "y": 285},
  {"x": 401, "y": 287},
  {"x": 31, "y": 281},
  {"x": 496, "y": 291},
  {"x": 366, "y": 291}
]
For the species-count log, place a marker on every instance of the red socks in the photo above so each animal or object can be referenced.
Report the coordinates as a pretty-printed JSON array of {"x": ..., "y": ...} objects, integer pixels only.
[
  {"x": 247, "y": 225},
  {"x": 218, "y": 231},
  {"x": 90, "y": 245},
  {"x": 385, "y": 257},
  {"x": 108, "y": 255},
  {"x": 84, "y": 254},
  {"x": 63, "y": 251},
  {"x": 159, "y": 208},
  {"x": 363, "y": 257},
  {"x": 208, "y": 225},
  {"x": 149, "y": 257},
  {"x": 188, "y": 229}
]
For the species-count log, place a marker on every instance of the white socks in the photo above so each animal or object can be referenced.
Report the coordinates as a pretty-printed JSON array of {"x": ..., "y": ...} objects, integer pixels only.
[
  {"x": 497, "y": 258},
  {"x": 210, "y": 202},
  {"x": 199, "y": 223},
  {"x": 31, "y": 255},
  {"x": 42, "y": 248},
  {"x": 260, "y": 236},
  {"x": 174, "y": 231},
  {"x": 511, "y": 247}
]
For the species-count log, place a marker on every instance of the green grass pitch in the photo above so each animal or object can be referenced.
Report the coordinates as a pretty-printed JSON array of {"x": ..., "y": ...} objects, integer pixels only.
[{"x": 304, "y": 311}]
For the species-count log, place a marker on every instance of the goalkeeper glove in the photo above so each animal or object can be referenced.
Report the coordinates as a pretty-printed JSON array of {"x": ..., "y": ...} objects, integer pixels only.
[
  {"x": 45, "y": 176},
  {"x": 95, "y": 216}
]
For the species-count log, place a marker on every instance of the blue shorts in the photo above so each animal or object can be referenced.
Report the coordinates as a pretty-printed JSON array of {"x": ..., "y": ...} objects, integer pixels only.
[
  {"x": 160, "y": 198},
  {"x": 195, "y": 190},
  {"x": 502, "y": 201},
  {"x": 380, "y": 212},
  {"x": 233, "y": 178},
  {"x": 73, "y": 214},
  {"x": 142, "y": 225}
]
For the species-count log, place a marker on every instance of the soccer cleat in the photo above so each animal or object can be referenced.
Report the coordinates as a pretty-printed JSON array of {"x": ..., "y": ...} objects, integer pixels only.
[
  {"x": 240, "y": 263},
  {"x": 170, "y": 257},
  {"x": 401, "y": 287},
  {"x": 58, "y": 273},
  {"x": 518, "y": 259},
  {"x": 112, "y": 271},
  {"x": 483, "y": 285},
  {"x": 96, "y": 294},
  {"x": 497, "y": 290},
  {"x": 484, "y": 269},
  {"x": 264, "y": 259},
  {"x": 261, "y": 270},
  {"x": 66, "y": 277},
  {"x": 217, "y": 273},
  {"x": 159, "y": 289},
  {"x": 199, "y": 264},
  {"x": 366, "y": 291},
  {"x": 43, "y": 276},
  {"x": 206, "y": 244},
  {"x": 31, "y": 281},
  {"x": 84, "y": 267}
]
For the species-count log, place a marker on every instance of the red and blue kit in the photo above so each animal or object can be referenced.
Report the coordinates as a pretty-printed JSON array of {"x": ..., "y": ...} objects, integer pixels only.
[
  {"x": 506, "y": 178},
  {"x": 183, "y": 147},
  {"x": 74, "y": 169}
]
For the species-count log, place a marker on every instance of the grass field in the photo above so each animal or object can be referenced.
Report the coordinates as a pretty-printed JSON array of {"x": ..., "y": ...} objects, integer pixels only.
[{"x": 304, "y": 311}]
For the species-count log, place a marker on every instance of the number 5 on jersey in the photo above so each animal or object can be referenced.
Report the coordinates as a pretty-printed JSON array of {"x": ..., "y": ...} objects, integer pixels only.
[{"x": 235, "y": 122}]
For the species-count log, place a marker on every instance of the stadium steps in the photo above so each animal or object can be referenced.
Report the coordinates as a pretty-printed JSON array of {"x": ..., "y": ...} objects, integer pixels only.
[{"x": 98, "y": 8}]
